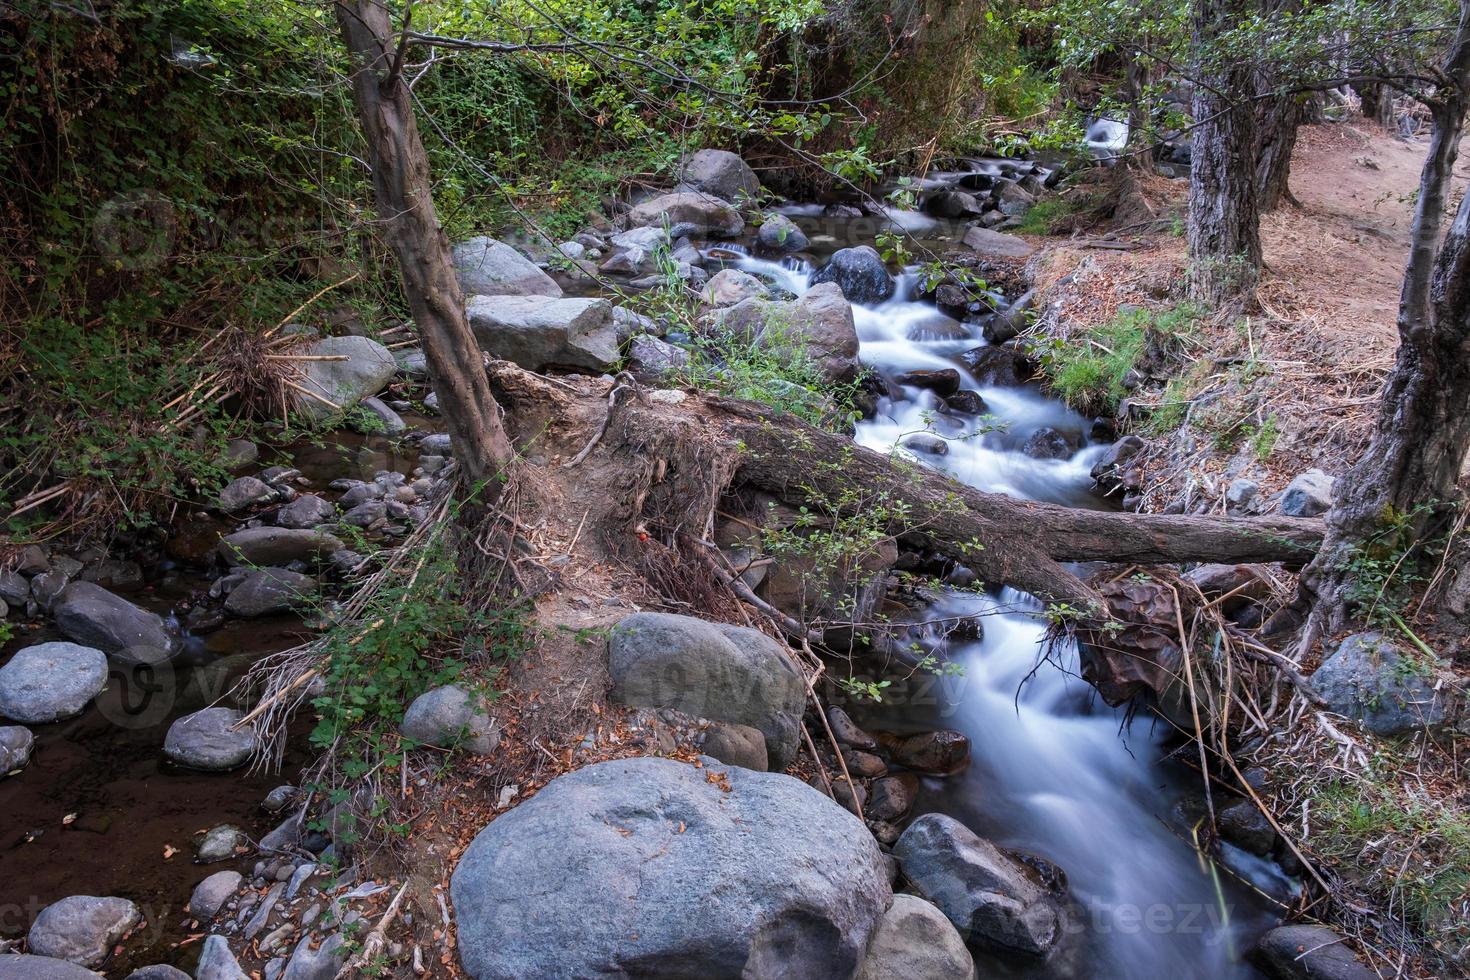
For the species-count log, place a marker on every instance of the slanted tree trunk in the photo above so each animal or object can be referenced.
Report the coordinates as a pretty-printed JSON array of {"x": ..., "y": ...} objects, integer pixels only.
[
  {"x": 1224, "y": 220},
  {"x": 406, "y": 209},
  {"x": 1278, "y": 120},
  {"x": 1422, "y": 433}
]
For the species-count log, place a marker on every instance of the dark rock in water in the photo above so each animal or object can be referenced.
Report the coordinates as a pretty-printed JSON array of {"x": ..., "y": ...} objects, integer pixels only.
[
  {"x": 450, "y": 717},
  {"x": 1113, "y": 471},
  {"x": 115, "y": 574},
  {"x": 203, "y": 740},
  {"x": 939, "y": 327},
  {"x": 50, "y": 682},
  {"x": 1243, "y": 824},
  {"x": 967, "y": 402},
  {"x": 306, "y": 511},
  {"x": 219, "y": 844},
  {"x": 952, "y": 204},
  {"x": 82, "y": 929},
  {"x": 925, "y": 442},
  {"x": 92, "y": 616},
  {"x": 893, "y": 797},
  {"x": 940, "y": 753},
  {"x": 1009, "y": 324},
  {"x": 997, "y": 367},
  {"x": 737, "y": 745},
  {"x": 781, "y": 235},
  {"x": 1014, "y": 200},
  {"x": 269, "y": 591},
  {"x": 18, "y": 966},
  {"x": 244, "y": 493},
  {"x": 846, "y": 731},
  {"x": 1048, "y": 443},
  {"x": 864, "y": 765},
  {"x": 1103, "y": 430},
  {"x": 16, "y": 744},
  {"x": 710, "y": 670},
  {"x": 276, "y": 546},
  {"x": 860, "y": 274},
  {"x": 943, "y": 381},
  {"x": 914, "y": 941},
  {"x": 952, "y": 298},
  {"x": 842, "y": 211},
  {"x": 15, "y": 589},
  {"x": 1371, "y": 679},
  {"x": 721, "y": 173},
  {"x": 992, "y": 899},
  {"x": 1308, "y": 953},
  {"x": 653, "y": 868}
]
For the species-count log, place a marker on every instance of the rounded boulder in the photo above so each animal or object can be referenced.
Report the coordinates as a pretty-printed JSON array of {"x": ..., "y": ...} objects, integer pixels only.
[
  {"x": 653, "y": 868},
  {"x": 51, "y": 682}
]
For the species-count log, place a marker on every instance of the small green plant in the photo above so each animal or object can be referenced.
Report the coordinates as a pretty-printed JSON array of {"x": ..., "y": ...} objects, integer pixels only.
[
  {"x": 773, "y": 368},
  {"x": 1263, "y": 438},
  {"x": 1090, "y": 373},
  {"x": 1386, "y": 568},
  {"x": 1045, "y": 216}
]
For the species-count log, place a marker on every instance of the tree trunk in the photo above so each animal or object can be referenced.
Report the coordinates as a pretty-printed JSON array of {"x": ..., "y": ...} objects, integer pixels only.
[
  {"x": 1278, "y": 119},
  {"x": 1139, "y": 152},
  {"x": 1377, "y": 100},
  {"x": 1224, "y": 220},
  {"x": 406, "y": 209},
  {"x": 1420, "y": 439}
]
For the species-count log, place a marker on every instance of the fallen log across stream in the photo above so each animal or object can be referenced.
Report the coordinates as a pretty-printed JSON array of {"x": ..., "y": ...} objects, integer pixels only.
[{"x": 662, "y": 460}]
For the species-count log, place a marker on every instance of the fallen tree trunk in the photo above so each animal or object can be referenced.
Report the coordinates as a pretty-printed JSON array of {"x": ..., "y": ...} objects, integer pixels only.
[{"x": 661, "y": 464}]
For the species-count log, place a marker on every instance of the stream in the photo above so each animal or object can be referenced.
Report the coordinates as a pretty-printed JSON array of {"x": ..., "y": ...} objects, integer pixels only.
[{"x": 1055, "y": 772}]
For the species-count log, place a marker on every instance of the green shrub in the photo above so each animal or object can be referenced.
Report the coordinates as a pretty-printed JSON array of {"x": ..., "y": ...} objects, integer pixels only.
[{"x": 1090, "y": 372}]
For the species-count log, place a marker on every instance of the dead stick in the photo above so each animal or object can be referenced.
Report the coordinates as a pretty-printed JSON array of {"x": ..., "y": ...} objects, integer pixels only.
[{"x": 376, "y": 939}]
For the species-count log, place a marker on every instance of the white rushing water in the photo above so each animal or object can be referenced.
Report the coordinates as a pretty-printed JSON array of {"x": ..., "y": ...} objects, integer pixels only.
[{"x": 1055, "y": 772}]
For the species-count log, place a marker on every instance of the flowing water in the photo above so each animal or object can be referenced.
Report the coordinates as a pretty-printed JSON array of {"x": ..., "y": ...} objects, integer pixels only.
[{"x": 1055, "y": 773}]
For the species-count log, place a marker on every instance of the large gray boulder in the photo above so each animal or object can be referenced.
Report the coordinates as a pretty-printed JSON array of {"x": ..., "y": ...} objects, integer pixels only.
[
  {"x": 50, "y": 682},
  {"x": 859, "y": 272},
  {"x": 368, "y": 368},
  {"x": 710, "y": 670},
  {"x": 276, "y": 546},
  {"x": 537, "y": 332},
  {"x": 821, "y": 322},
  {"x": 16, "y": 744},
  {"x": 691, "y": 213},
  {"x": 204, "y": 740},
  {"x": 82, "y": 929},
  {"x": 1371, "y": 679},
  {"x": 211, "y": 894},
  {"x": 1309, "y": 495},
  {"x": 721, "y": 173},
  {"x": 321, "y": 962},
  {"x": 269, "y": 591},
  {"x": 655, "y": 869},
  {"x": 216, "y": 962},
  {"x": 94, "y": 617},
  {"x": 1308, "y": 953},
  {"x": 450, "y": 717},
  {"x": 16, "y": 966},
  {"x": 992, "y": 899},
  {"x": 914, "y": 941},
  {"x": 486, "y": 267},
  {"x": 306, "y": 511}
]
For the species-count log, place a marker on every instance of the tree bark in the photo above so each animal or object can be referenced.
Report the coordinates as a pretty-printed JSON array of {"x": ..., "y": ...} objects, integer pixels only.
[
  {"x": 1377, "y": 100},
  {"x": 1278, "y": 120},
  {"x": 405, "y": 207},
  {"x": 1422, "y": 432},
  {"x": 1224, "y": 220}
]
